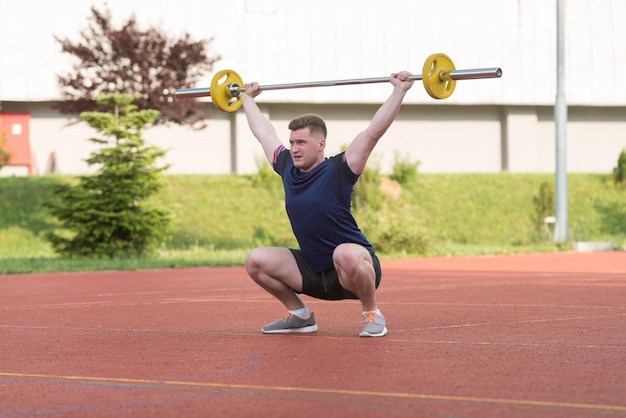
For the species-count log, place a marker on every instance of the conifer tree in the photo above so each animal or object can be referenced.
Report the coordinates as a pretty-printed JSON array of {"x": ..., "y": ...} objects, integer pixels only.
[{"x": 108, "y": 214}]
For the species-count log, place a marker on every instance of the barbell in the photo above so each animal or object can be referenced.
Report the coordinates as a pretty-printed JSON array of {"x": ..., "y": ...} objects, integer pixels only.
[{"x": 439, "y": 77}]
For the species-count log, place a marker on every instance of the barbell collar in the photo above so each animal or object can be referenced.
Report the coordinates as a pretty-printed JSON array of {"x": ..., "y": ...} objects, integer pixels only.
[{"x": 235, "y": 89}]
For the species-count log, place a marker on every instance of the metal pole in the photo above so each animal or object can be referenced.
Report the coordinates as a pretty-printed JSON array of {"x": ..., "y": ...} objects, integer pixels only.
[
  {"x": 561, "y": 232},
  {"x": 470, "y": 74}
]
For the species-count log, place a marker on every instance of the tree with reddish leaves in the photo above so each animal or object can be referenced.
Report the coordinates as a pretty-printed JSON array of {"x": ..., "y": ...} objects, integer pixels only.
[{"x": 130, "y": 60}]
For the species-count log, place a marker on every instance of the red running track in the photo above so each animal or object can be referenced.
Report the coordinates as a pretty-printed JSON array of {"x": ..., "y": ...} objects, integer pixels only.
[{"x": 506, "y": 336}]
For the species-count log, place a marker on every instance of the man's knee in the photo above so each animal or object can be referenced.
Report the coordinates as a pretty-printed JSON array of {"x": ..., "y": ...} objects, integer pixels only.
[
  {"x": 270, "y": 260},
  {"x": 350, "y": 256},
  {"x": 253, "y": 260}
]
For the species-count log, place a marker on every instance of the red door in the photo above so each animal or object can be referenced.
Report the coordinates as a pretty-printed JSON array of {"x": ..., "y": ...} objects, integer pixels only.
[{"x": 14, "y": 128}]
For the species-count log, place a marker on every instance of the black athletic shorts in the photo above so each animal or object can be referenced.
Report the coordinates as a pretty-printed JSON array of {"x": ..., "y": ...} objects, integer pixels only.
[{"x": 325, "y": 284}]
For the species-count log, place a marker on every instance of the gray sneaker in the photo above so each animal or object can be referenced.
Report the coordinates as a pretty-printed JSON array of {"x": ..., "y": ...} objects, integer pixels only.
[
  {"x": 291, "y": 324},
  {"x": 373, "y": 325}
]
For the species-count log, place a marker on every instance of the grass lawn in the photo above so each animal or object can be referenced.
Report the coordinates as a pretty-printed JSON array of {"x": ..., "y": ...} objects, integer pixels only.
[{"x": 217, "y": 219}]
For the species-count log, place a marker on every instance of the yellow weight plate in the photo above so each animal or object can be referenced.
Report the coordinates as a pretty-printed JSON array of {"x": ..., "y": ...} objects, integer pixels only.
[
  {"x": 221, "y": 94},
  {"x": 436, "y": 78}
]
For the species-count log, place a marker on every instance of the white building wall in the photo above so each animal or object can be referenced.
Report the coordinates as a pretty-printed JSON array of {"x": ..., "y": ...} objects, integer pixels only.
[
  {"x": 445, "y": 139},
  {"x": 486, "y": 126},
  {"x": 525, "y": 150},
  {"x": 275, "y": 41}
]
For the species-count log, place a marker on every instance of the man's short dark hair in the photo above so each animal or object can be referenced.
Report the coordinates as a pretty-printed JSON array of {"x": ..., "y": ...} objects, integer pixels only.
[{"x": 314, "y": 122}]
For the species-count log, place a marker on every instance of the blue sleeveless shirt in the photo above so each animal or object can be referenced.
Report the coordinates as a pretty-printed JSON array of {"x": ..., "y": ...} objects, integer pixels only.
[{"x": 318, "y": 207}]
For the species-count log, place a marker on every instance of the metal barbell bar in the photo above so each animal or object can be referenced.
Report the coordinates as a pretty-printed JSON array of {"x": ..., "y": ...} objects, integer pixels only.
[
  {"x": 438, "y": 76},
  {"x": 471, "y": 74}
]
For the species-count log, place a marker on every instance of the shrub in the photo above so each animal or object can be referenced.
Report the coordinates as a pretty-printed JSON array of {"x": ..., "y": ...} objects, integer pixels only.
[
  {"x": 404, "y": 170},
  {"x": 402, "y": 239},
  {"x": 544, "y": 207},
  {"x": 265, "y": 175},
  {"x": 394, "y": 233},
  {"x": 366, "y": 191},
  {"x": 619, "y": 172},
  {"x": 4, "y": 154}
]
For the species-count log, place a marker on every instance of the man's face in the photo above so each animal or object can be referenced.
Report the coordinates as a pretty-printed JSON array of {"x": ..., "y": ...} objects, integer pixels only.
[{"x": 306, "y": 150}]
